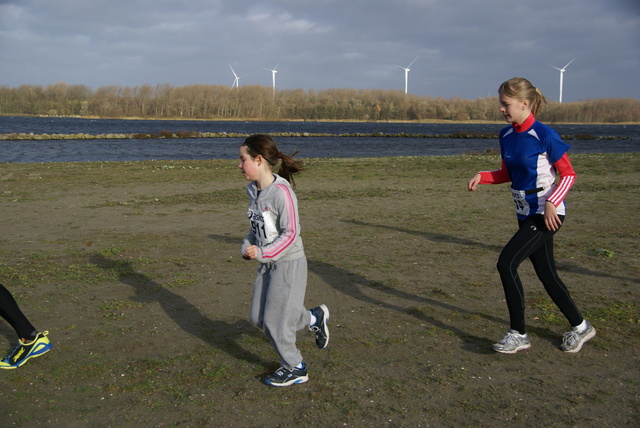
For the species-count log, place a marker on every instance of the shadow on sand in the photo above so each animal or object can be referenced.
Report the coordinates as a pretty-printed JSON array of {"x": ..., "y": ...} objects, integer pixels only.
[
  {"x": 357, "y": 287},
  {"x": 12, "y": 338},
  {"x": 438, "y": 237},
  {"x": 218, "y": 334}
]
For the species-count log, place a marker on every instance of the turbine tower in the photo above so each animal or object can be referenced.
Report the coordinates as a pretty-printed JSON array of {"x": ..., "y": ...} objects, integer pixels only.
[
  {"x": 562, "y": 70},
  {"x": 237, "y": 78},
  {"x": 406, "y": 74},
  {"x": 273, "y": 76}
]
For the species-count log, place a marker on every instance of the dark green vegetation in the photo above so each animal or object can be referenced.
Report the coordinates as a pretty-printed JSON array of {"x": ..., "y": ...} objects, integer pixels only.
[
  {"x": 259, "y": 103},
  {"x": 134, "y": 268}
]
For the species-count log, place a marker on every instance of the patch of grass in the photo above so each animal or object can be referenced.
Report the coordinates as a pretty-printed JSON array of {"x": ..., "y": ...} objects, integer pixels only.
[
  {"x": 181, "y": 280},
  {"x": 603, "y": 252},
  {"x": 379, "y": 192},
  {"x": 115, "y": 309},
  {"x": 109, "y": 252},
  {"x": 546, "y": 310},
  {"x": 52, "y": 268},
  {"x": 231, "y": 196},
  {"x": 616, "y": 313}
]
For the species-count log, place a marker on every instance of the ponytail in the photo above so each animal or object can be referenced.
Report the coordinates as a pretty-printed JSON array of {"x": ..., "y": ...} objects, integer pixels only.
[
  {"x": 289, "y": 167},
  {"x": 520, "y": 88},
  {"x": 538, "y": 103},
  {"x": 283, "y": 165}
]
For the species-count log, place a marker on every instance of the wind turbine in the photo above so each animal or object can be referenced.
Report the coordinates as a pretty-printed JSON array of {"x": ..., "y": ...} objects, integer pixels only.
[
  {"x": 562, "y": 70},
  {"x": 237, "y": 78},
  {"x": 406, "y": 74},
  {"x": 273, "y": 76}
]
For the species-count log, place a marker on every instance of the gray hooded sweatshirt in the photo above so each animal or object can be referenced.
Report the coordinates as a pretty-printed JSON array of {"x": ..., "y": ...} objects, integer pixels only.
[{"x": 274, "y": 223}]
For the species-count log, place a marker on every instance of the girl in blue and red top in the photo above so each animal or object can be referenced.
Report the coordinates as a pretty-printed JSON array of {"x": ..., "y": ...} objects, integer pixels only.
[{"x": 532, "y": 155}]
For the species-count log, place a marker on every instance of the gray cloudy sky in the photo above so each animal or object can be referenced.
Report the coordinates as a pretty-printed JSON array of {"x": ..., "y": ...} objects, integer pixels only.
[{"x": 466, "y": 48}]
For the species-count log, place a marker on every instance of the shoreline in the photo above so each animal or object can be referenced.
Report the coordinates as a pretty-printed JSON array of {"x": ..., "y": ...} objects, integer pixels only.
[
  {"x": 432, "y": 121},
  {"x": 200, "y": 164},
  {"x": 166, "y": 134}
]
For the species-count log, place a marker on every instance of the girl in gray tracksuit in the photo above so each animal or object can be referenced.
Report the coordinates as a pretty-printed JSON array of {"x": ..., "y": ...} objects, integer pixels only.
[{"x": 274, "y": 240}]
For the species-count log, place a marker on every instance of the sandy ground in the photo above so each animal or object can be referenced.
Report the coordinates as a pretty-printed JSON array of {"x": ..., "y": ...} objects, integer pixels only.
[{"x": 134, "y": 268}]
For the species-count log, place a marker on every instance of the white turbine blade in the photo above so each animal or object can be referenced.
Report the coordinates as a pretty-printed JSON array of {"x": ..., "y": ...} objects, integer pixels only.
[
  {"x": 569, "y": 63},
  {"x": 273, "y": 76},
  {"x": 553, "y": 66},
  {"x": 237, "y": 78},
  {"x": 414, "y": 60},
  {"x": 274, "y": 69}
]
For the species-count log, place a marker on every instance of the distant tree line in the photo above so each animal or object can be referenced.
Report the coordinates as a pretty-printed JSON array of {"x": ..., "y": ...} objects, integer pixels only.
[{"x": 260, "y": 102}]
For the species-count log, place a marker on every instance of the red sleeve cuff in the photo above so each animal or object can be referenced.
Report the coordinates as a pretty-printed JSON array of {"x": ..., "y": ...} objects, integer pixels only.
[{"x": 495, "y": 177}]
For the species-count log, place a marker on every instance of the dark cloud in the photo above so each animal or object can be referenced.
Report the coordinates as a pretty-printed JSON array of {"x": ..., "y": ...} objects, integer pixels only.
[{"x": 465, "y": 47}]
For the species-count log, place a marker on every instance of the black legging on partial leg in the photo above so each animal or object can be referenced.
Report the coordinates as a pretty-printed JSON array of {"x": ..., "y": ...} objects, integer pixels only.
[
  {"x": 10, "y": 311},
  {"x": 533, "y": 241}
]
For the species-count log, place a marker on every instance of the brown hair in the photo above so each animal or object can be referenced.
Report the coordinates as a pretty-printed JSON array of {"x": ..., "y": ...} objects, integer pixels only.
[
  {"x": 521, "y": 89},
  {"x": 265, "y": 146}
]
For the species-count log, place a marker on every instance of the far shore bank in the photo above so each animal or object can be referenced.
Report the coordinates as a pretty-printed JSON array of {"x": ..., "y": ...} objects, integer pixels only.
[{"x": 434, "y": 121}]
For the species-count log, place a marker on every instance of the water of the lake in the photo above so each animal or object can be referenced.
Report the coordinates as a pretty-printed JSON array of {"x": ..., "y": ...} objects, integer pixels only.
[{"x": 619, "y": 139}]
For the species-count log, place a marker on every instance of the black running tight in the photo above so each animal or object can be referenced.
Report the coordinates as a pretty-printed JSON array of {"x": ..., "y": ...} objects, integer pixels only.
[
  {"x": 10, "y": 311},
  {"x": 533, "y": 241}
]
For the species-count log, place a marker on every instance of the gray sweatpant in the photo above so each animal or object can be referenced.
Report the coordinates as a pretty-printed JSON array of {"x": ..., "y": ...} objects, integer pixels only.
[{"x": 278, "y": 306}]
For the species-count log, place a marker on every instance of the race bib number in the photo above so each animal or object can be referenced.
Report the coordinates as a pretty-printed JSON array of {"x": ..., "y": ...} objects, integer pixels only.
[
  {"x": 263, "y": 226},
  {"x": 522, "y": 206}
]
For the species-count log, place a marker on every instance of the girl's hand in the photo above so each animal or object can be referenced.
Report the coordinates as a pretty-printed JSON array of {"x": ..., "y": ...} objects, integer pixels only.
[
  {"x": 473, "y": 183},
  {"x": 551, "y": 219},
  {"x": 251, "y": 253}
]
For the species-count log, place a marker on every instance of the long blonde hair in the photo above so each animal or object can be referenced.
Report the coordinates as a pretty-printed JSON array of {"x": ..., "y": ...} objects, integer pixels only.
[{"x": 521, "y": 89}]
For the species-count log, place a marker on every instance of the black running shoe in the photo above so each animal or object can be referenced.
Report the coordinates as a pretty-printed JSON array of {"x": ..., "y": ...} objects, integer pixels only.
[
  {"x": 286, "y": 377},
  {"x": 320, "y": 329}
]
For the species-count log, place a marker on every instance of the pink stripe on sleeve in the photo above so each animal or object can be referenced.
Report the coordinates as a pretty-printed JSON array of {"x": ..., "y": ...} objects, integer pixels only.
[{"x": 291, "y": 232}]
